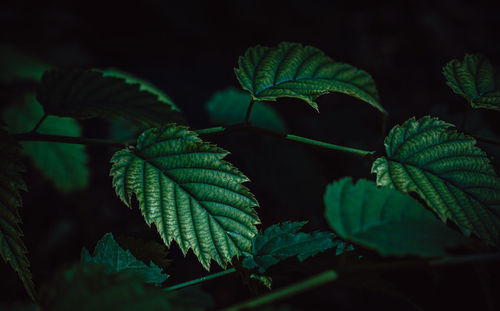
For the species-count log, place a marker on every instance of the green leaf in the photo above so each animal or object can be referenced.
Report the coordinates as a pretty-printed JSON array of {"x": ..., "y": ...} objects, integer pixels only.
[
  {"x": 303, "y": 72},
  {"x": 63, "y": 164},
  {"x": 282, "y": 241},
  {"x": 229, "y": 107},
  {"x": 475, "y": 79},
  {"x": 192, "y": 196},
  {"x": 91, "y": 287},
  {"x": 190, "y": 298},
  {"x": 109, "y": 253},
  {"x": 386, "y": 220},
  {"x": 18, "y": 65},
  {"x": 146, "y": 250},
  {"x": 87, "y": 93},
  {"x": 12, "y": 247},
  {"x": 452, "y": 175}
]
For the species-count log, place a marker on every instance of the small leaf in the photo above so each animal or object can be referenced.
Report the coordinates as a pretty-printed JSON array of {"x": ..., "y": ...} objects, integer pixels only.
[
  {"x": 282, "y": 241},
  {"x": 452, "y": 175},
  {"x": 229, "y": 107},
  {"x": 12, "y": 247},
  {"x": 386, "y": 220},
  {"x": 110, "y": 254},
  {"x": 87, "y": 93},
  {"x": 192, "y": 196},
  {"x": 64, "y": 164},
  {"x": 303, "y": 72},
  {"x": 475, "y": 79}
]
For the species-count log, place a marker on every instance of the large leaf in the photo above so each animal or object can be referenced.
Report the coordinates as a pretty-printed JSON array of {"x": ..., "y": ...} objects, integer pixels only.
[
  {"x": 109, "y": 253},
  {"x": 87, "y": 93},
  {"x": 64, "y": 164},
  {"x": 12, "y": 247},
  {"x": 475, "y": 79},
  {"x": 188, "y": 191},
  {"x": 229, "y": 107},
  {"x": 452, "y": 175},
  {"x": 282, "y": 241},
  {"x": 304, "y": 72},
  {"x": 386, "y": 220}
]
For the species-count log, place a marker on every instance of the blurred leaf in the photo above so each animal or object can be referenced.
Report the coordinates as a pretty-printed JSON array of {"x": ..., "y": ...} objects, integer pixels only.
[
  {"x": 190, "y": 299},
  {"x": 145, "y": 250},
  {"x": 475, "y": 79},
  {"x": 64, "y": 164},
  {"x": 110, "y": 254},
  {"x": 452, "y": 175},
  {"x": 303, "y": 72},
  {"x": 192, "y": 196},
  {"x": 18, "y": 65},
  {"x": 12, "y": 247},
  {"x": 386, "y": 220},
  {"x": 229, "y": 107}
]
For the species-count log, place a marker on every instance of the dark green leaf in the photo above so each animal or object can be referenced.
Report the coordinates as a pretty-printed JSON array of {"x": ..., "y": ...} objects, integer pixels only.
[
  {"x": 190, "y": 299},
  {"x": 475, "y": 79},
  {"x": 282, "y": 241},
  {"x": 452, "y": 175},
  {"x": 110, "y": 254},
  {"x": 386, "y": 220},
  {"x": 229, "y": 107},
  {"x": 18, "y": 65},
  {"x": 12, "y": 247},
  {"x": 146, "y": 250},
  {"x": 188, "y": 191},
  {"x": 86, "y": 94},
  {"x": 303, "y": 72}
]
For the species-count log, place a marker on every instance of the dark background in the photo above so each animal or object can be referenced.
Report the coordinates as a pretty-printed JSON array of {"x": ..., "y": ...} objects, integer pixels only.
[{"x": 189, "y": 50}]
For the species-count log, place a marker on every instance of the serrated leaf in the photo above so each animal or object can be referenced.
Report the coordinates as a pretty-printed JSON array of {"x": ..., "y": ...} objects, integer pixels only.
[
  {"x": 475, "y": 79},
  {"x": 12, "y": 247},
  {"x": 452, "y": 175},
  {"x": 282, "y": 241},
  {"x": 303, "y": 72},
  {"x": 386, "y": 220},
  {"x": 87, "y": 93},
  {"x": 63, "y": 164},
  {"x": 192, "y": 196},
  {"x": 229, "y": 107},
  {"x": 110, "y": 254}
]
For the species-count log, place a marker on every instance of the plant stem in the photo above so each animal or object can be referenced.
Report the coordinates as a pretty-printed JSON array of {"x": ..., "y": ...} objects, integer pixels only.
[
  {"x": 37, "y": 126},
  {"x": 200, "y": 280},
  {"x": 32, "y": 136},
  {"x": 315, "y": 281},
  {"x": 249, "y": 110}
]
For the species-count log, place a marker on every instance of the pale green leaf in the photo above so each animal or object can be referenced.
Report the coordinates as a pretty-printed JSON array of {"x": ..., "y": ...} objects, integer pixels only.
[
  {"x": 110, "y": 254},
  {"x": 12, "y": 247},
  {"x": 87, "y": 93},
  {"x": 303, "y": 72},
  {"x": 192, "y": 196},
  {"x": 63, "y": 164},
  {"x": 282, "y": 241},
  {"x": 386, "y": 220},
  {"x": 475, "y": 79},
  {"x": 452, "y": 175},
  {"x": 229, "y": 106}
]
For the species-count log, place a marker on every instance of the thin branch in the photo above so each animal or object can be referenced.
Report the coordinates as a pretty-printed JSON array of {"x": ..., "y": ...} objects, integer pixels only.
[
  {"x": 488, "y": 140},
  {"x": 249, "y": 110},
  {"x": 31, "y": 136},
  {"x": 37, "y": 126},
  {"x": 200, "y": 280}
]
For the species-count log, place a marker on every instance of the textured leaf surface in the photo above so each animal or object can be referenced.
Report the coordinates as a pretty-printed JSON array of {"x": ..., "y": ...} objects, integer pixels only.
[
  {"x": 109, "y": 253},
  {"x": 63, "y": 164},
  {"x": 87, "y": 93},
  {"x": 452, "y": 175},
  {"x": 386, "y": 220},
  {"x": 12, "y": 247},
  {"x": 282, "y": 241},
  {"x": 475, "y": 79},
  {"x": 229, "y": 107},
  {"x": 192, "y": 196},
  {"x": 304, "y": 72}
]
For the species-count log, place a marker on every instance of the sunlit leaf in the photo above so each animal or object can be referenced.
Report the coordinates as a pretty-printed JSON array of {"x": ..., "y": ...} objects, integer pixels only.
[
  {"x": 87, "y": 93},
  {"x": 229, "y": 107},
  {"x": 303, "y": 72},
  {"x": 282, "y": 241},
  {"x": 386, "y": 220},
  {"x": 64, "y": 164},
  {"x": 475, "y": 79},
  {"x": 192, "y": 196},
  {"x": 12, "y": 247},
  {"x": 452, "y": 175},
  {"x": 109, "y": 253}
]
